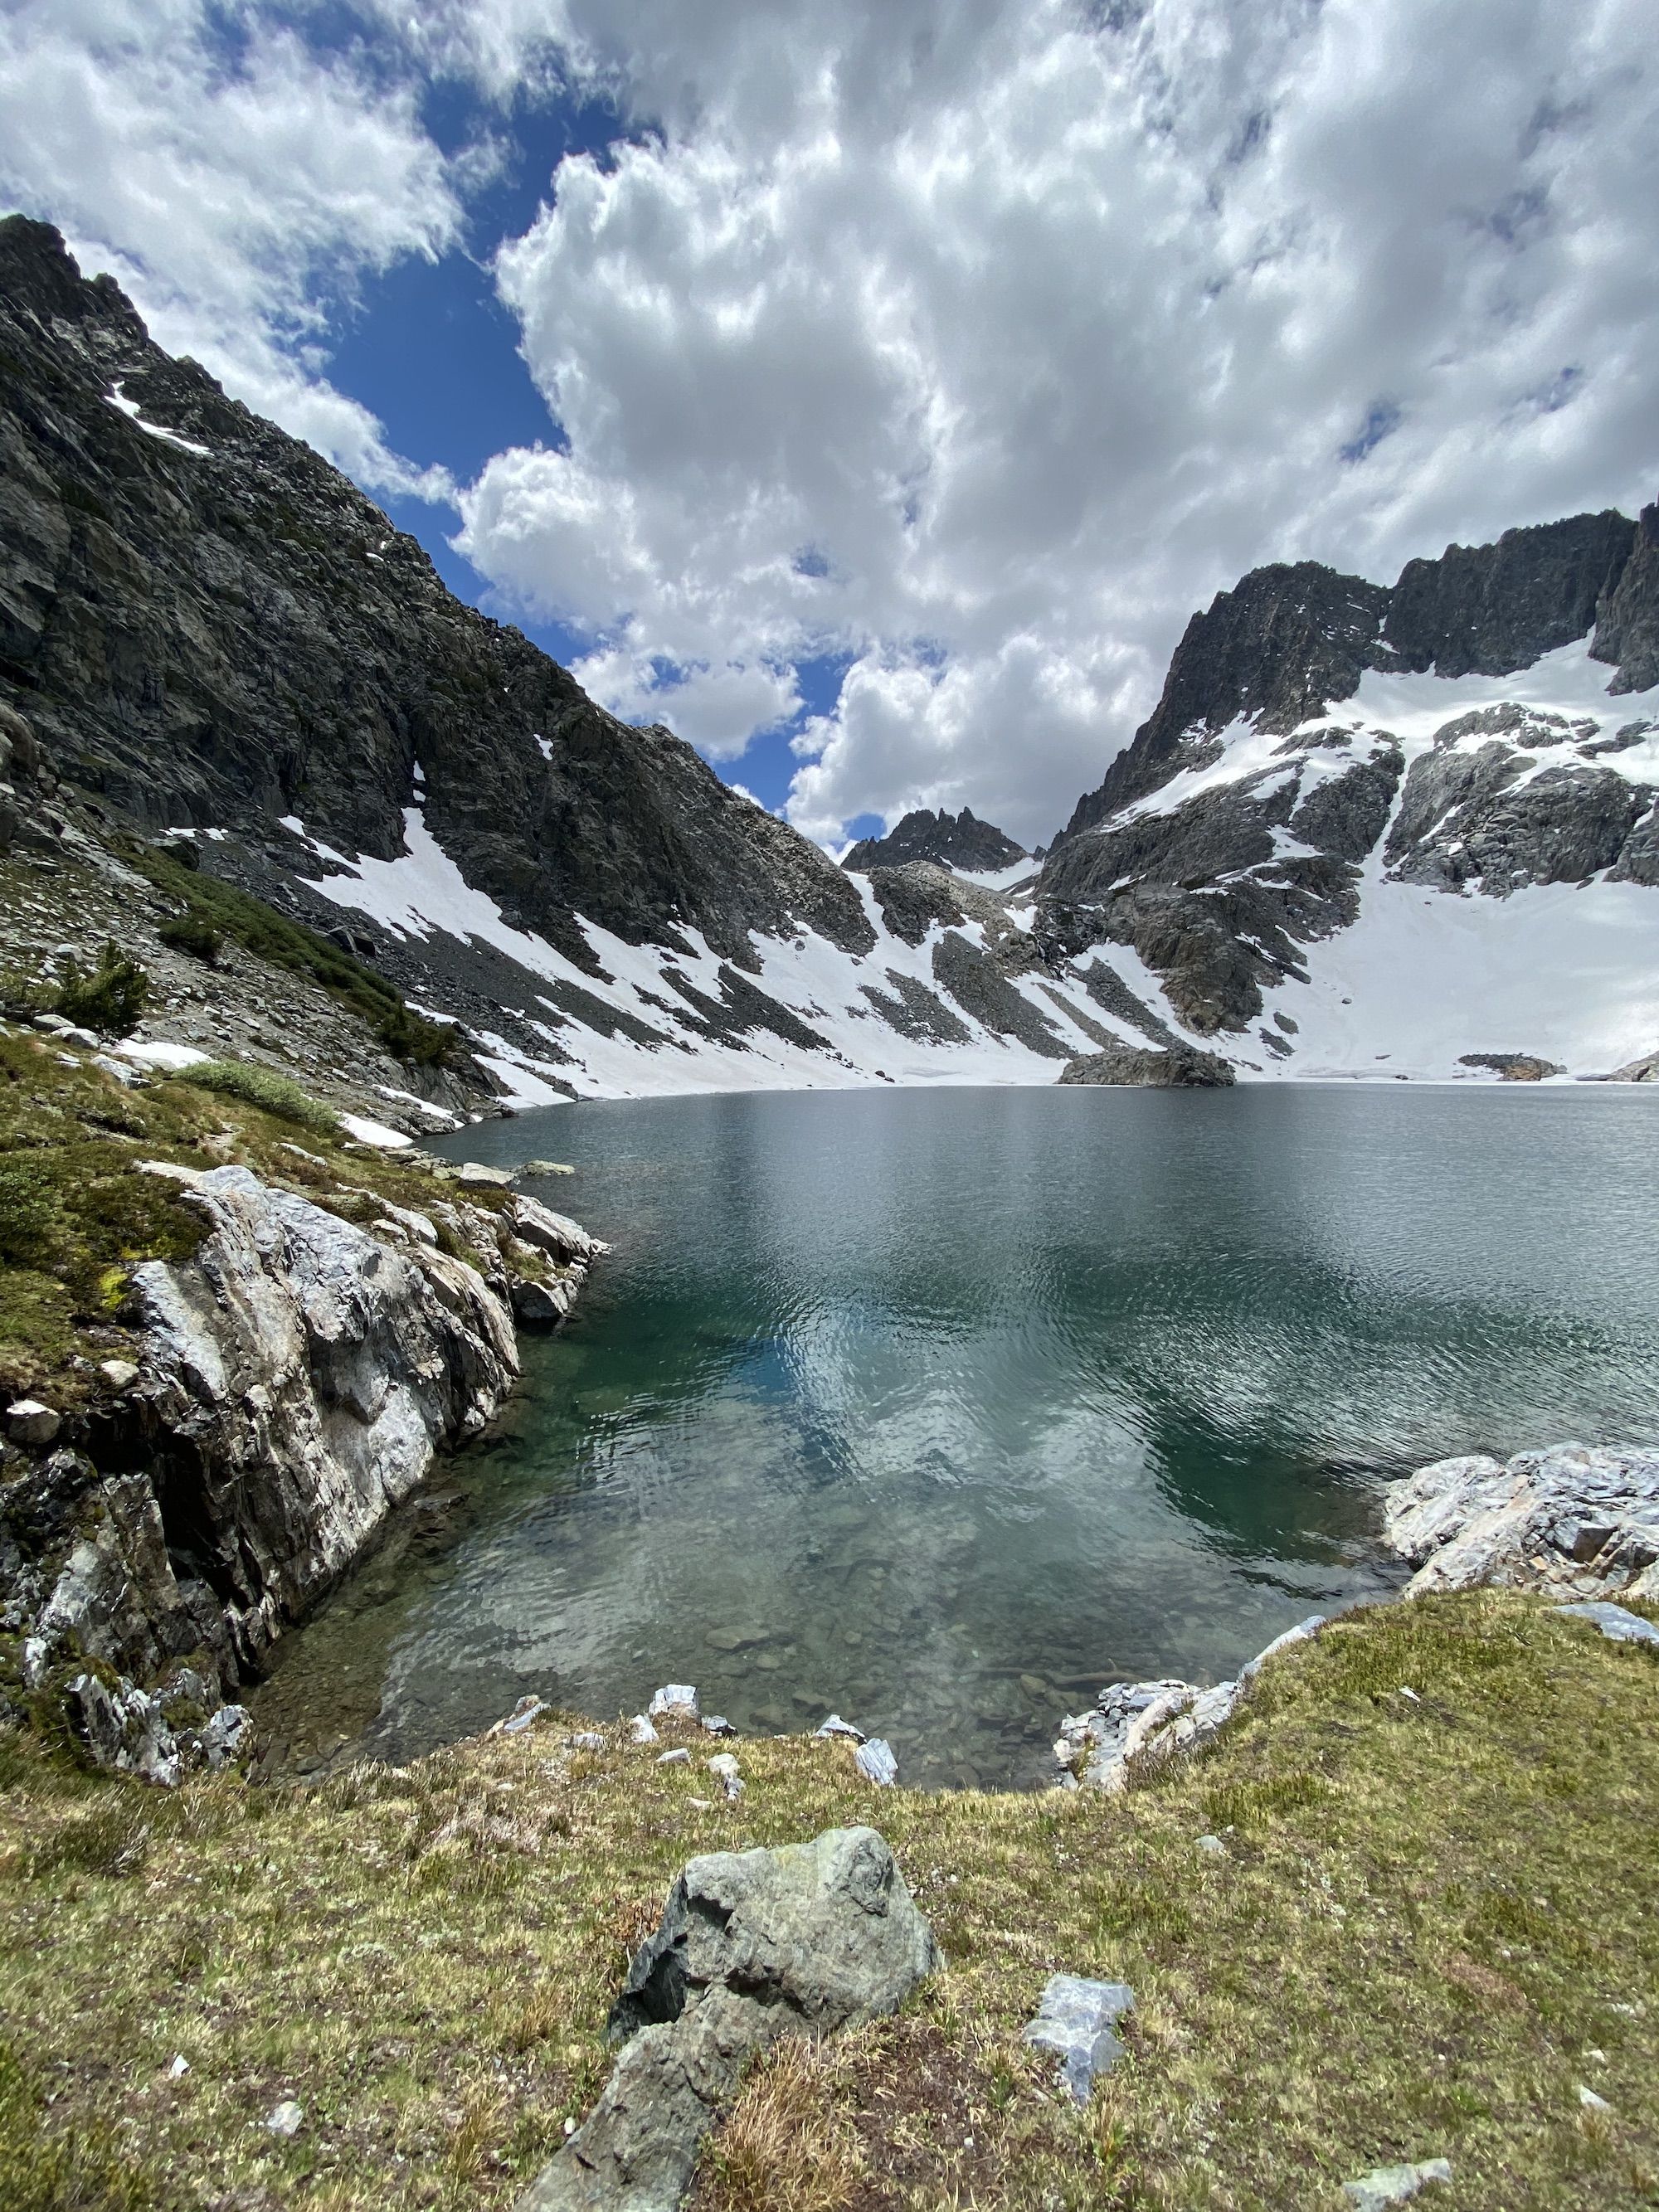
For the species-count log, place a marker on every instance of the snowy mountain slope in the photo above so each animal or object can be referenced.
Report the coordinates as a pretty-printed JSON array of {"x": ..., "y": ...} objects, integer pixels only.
[
  {"x": 938, "y": 1003},
  {"x": 1348, "y": 861}
]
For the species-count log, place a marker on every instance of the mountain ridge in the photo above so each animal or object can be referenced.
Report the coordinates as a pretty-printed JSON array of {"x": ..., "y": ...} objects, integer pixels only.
[{"x": 209, "y": 636}]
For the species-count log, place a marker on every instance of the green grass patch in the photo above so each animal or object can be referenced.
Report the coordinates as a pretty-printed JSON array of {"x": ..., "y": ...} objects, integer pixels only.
[
  {"x": 76, "y": 1216},
  {"x": 221, "y": 909},
  {"x": 263, "y": 1087},
  {"x": 1413, "y": 1945}
]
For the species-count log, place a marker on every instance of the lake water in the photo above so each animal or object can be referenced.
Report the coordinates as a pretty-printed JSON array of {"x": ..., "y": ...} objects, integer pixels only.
[{"x": 941, "y": 1408}]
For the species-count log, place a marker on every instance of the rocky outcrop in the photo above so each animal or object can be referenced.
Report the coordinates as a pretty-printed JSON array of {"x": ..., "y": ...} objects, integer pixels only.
[
  {"x": 1512, "y": 1067},
  {"x": 1571, "y": 1518},
  {"x": 1220, "y": 859},
  {"x": 954, "y": 840},
  {"x": 752, "y": 1946},
  {"x": 1177, "y": 1066},
  {"x": 1136, "y": 1726},
  {"x": 297, "y": 1376}
]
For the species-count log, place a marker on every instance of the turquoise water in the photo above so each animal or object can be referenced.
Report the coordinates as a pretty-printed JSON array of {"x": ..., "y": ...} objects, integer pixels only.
[{"x": 941, "y": 1408}]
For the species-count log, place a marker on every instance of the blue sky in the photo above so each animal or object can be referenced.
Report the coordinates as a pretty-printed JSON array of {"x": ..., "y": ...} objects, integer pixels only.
[{"x": 872, "y": 393}]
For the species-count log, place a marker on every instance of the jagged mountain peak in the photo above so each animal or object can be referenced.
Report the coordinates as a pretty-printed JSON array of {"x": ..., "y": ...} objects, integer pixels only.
[
  {"x": 1291, "y": 639},
  {"x": 953, "y": 840}
]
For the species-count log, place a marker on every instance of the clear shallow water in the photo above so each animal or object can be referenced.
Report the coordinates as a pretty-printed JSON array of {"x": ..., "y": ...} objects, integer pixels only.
[{"x": 943, "y": 1408}]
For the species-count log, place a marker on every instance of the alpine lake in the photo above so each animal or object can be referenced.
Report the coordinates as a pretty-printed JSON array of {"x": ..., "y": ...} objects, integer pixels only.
[{"x": 941, "y": 1408}]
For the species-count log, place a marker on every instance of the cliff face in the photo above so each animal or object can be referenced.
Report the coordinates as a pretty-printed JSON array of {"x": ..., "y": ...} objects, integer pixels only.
[
  {"x": 1321, "y": 740},
  {"x": 208, "y": 626}
]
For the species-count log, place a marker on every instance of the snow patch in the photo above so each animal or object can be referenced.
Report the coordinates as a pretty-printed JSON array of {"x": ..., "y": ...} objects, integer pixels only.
[
  {"x": 373, "y": 1133},
  {"x": 118, "y": 398},
  {"x": 156, "y": 1052}
]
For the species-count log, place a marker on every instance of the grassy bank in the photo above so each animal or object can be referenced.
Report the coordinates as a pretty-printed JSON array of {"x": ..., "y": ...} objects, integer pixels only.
[
  {"x": 76, "y": 1215},
  {"x": 1432, "y": 1921}
]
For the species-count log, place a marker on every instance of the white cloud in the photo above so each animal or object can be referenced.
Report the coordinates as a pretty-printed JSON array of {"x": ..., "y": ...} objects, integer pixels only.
[
  {"x": 1033, "y": 326},
  {"x": 227, "y": 189},
  {"x": 974, "y": 342}
]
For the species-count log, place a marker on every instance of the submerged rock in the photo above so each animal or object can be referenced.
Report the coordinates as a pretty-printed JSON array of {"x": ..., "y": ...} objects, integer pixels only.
[
  {"x": 1177, "y": 1066},
  {"x": 1568, "y": 1517},
  {"x": 752, "y": 1946}
]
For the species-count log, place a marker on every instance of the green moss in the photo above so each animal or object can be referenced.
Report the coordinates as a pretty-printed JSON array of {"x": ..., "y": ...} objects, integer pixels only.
[
  {"x": 261, "y": 1087},
  {"x": 212, "y": 906}
]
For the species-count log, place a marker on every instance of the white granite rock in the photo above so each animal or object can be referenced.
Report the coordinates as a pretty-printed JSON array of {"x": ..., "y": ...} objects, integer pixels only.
[{"x": 1581, "y": 1519}]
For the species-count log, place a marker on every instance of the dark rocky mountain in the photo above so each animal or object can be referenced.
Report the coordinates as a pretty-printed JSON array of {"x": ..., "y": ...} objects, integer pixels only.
[
  {"x": 1288, "y": 640},
  {"x": 954, "y": 840},
  {"x": 206, "y": 625},
  {"x": 206, "y": 628},
  {"x": 1220, "y": 856}
]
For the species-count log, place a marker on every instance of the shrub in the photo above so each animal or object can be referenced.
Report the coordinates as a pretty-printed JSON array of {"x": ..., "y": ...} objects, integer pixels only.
[
  {"x": 411, "y": 1037},
  {"x": 109, "y": 998},
  {"x": 193, "y": 933},
  {"x": 29, "y": 1209},
  {"x": 263, "y": 1087}
]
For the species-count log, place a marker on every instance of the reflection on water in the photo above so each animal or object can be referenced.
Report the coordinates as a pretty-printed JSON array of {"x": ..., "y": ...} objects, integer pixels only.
[{"x": 942, "y": 1408}]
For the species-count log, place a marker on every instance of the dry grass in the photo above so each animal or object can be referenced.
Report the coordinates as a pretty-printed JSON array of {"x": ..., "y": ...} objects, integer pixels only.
[
  {"x": 1433, "y": 1921},
  {"x": 789, "y": 2140}
]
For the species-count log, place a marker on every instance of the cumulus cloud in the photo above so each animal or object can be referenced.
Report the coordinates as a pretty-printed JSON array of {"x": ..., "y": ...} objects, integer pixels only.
[
  {"x": 229, "y": 183},
  {"x": 971, "y": 343},
  {"x": 982, "y": 341}
]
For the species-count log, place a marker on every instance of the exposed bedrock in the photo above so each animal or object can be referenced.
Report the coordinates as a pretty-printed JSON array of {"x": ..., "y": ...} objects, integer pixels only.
[
  {"x": 1218, "y": 894},
  {"x": 297, "y": 1377},
  {"x": 1583, "y": 1521},
  {"x": 1479, "y": 817}
]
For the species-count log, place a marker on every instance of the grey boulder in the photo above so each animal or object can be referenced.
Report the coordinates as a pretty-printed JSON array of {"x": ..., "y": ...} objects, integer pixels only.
[
  {"x": 1583, "y": 1521},
  {"x": 752, "y": 1946},
  {"x": 1616, "y": 1622}
]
